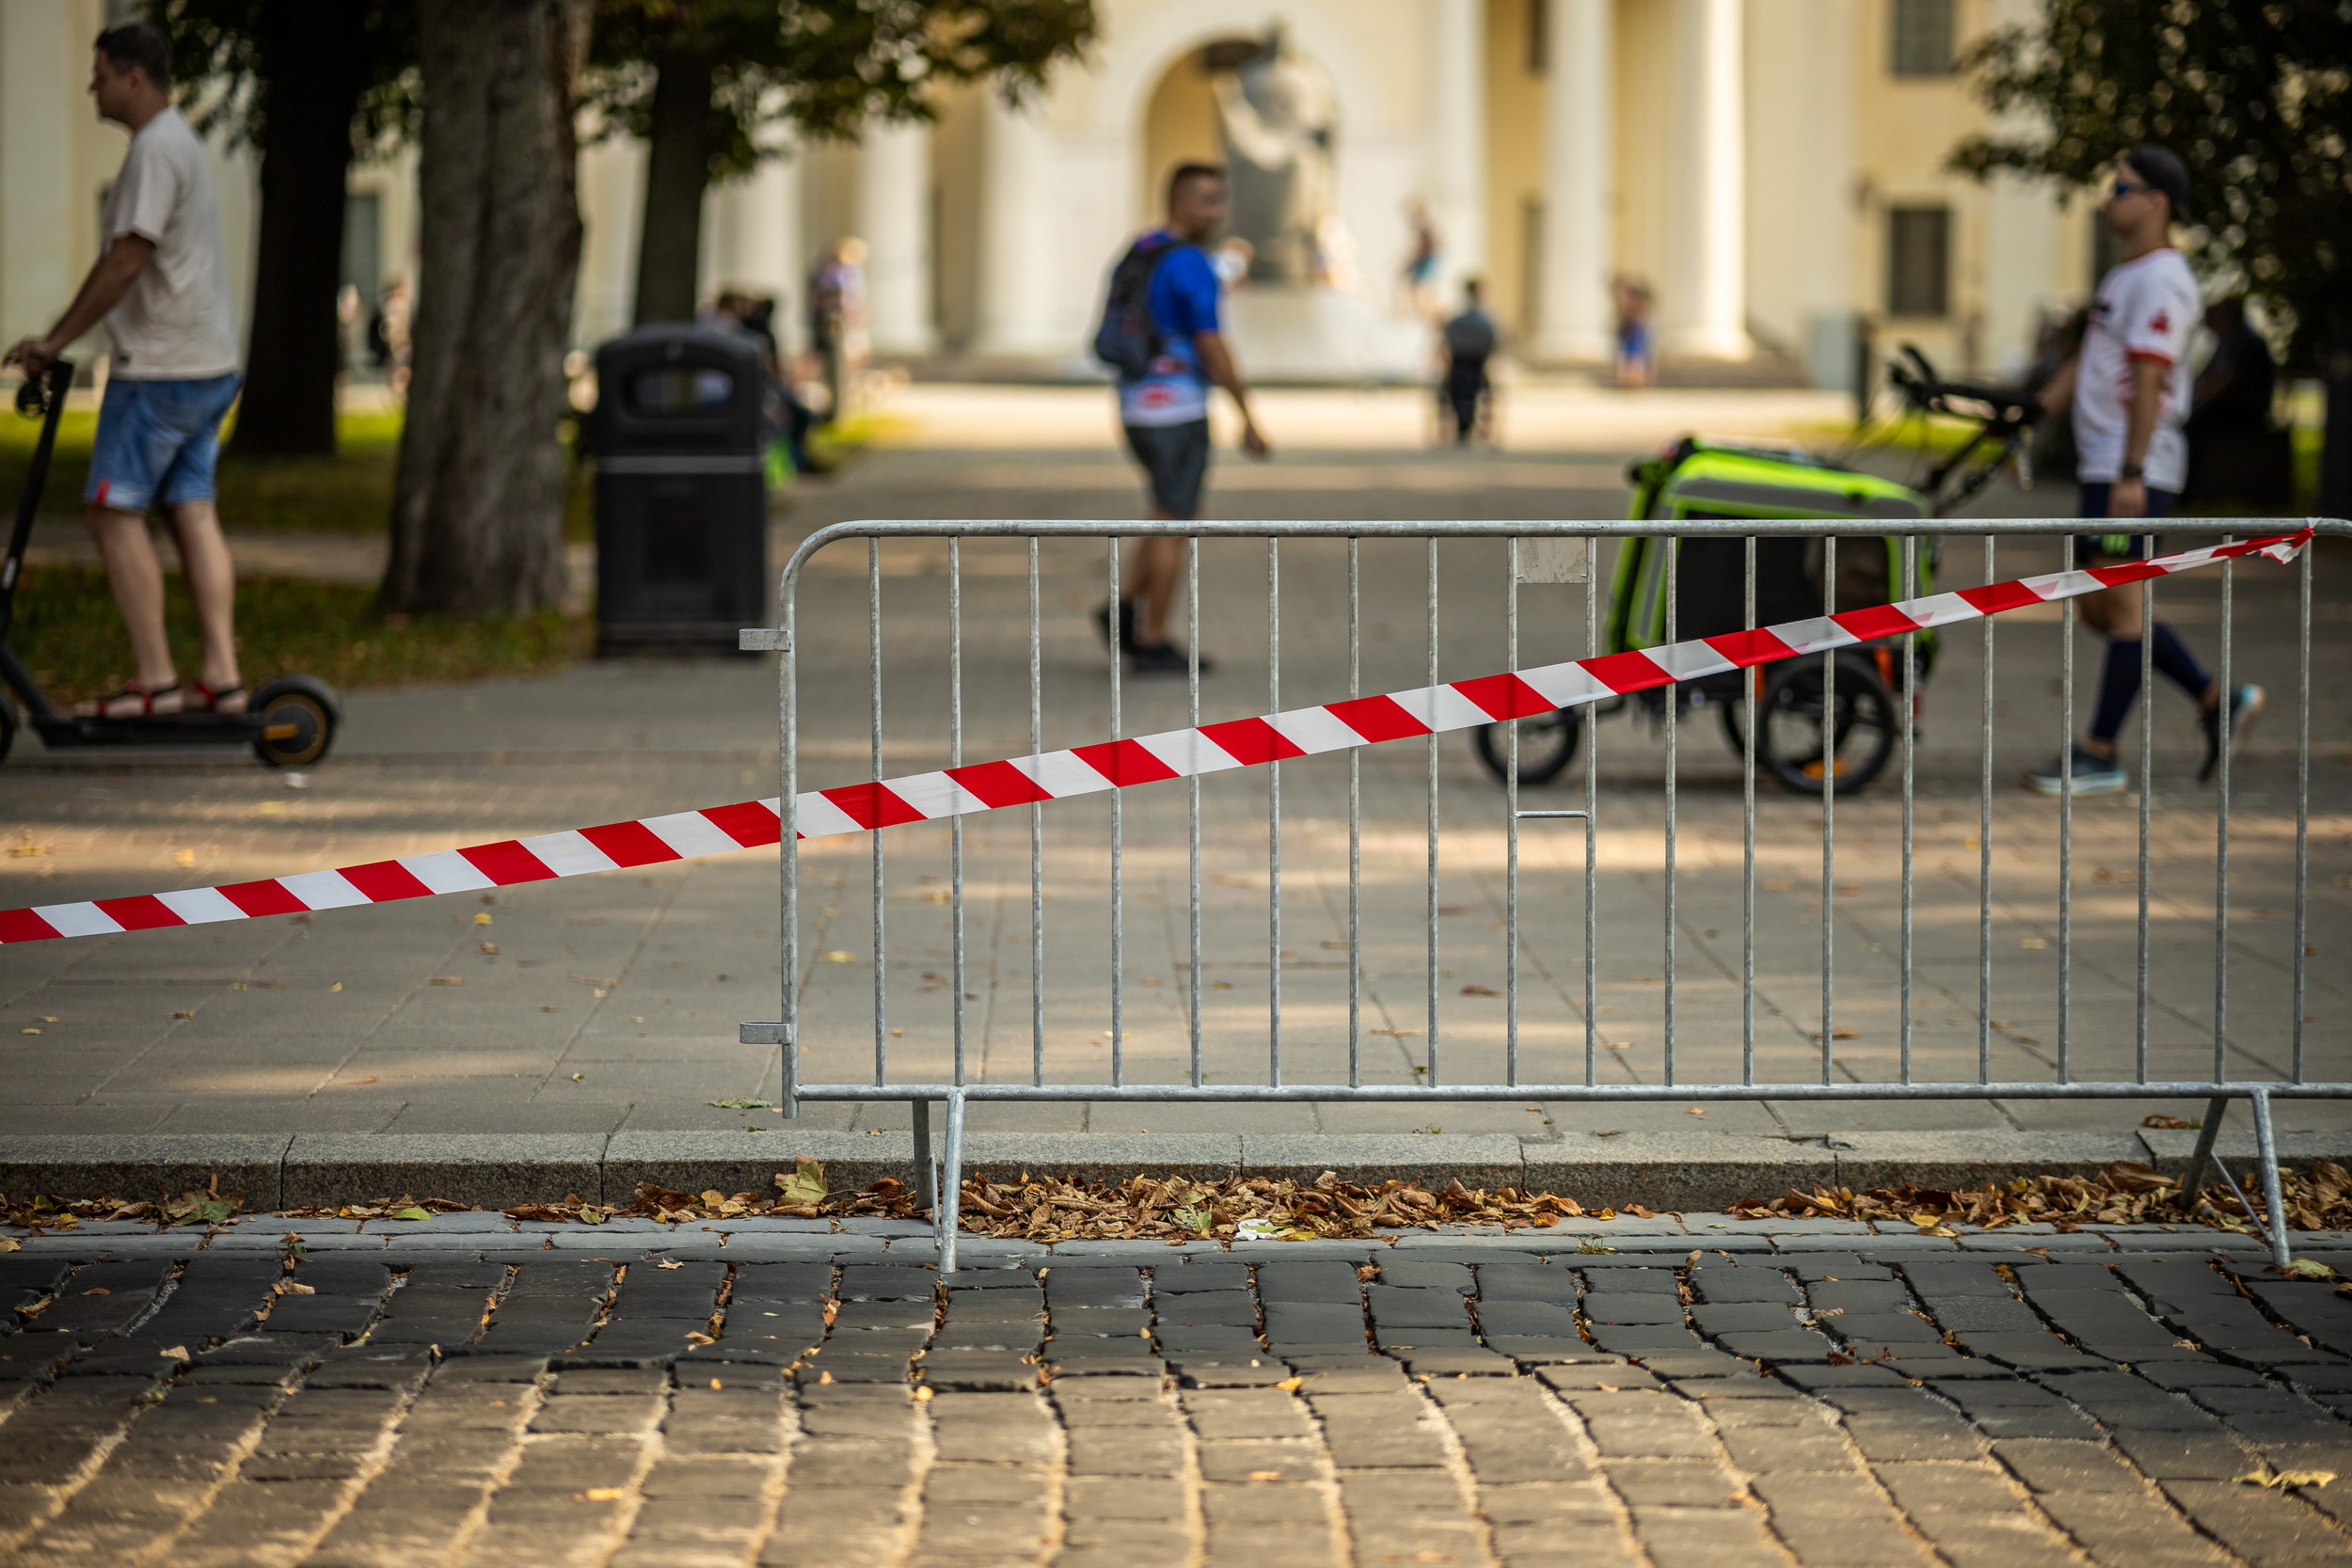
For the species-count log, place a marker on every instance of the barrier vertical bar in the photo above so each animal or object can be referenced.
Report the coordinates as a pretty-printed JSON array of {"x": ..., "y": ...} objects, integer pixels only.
[
  {"x": 1592, "y": 815},
  {"x": 2147, "y": 809},
  {"x": 1748, "y": 682},
  {"x": 1037, "y": 829},
  {"x": 1674, "y": 728},
  {"x": 874, "y": 738},
  {"x": 1432, "y": 1077},
  {"x": 1355, "y": 822},
  {"x": 1119, "y": 845},
  {"x": 2302, "y": 806},
  {"x": 1274, "y": 816},
  {"x": 1910, "y": 700},
  {"x": 2221, "y": 840},
  {"x": 1511, "y": 832},
  {"x": 788, "y": 848},
  {"x": 1829, "y": 809},
  {"x": 957, "y": 970},
  {"x": 2066, "y": 829},
  {"x": 1984, "y": 848},
  {"x": 1192, "y": 800}
]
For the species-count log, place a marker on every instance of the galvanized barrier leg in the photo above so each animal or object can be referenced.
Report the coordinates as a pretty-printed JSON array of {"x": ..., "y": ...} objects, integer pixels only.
[
  {"x": 2274, "y": 1202},
  {"x": 925, "y": 1170},
  {"x": 950, "y": 1186},
  {"x": 2193, "y": 1184}
]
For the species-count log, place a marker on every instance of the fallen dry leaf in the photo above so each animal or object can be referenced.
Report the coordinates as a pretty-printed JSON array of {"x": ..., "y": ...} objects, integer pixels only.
[
  {"x": 601, "y": 1494},
  {"x": 2168, "y": 1123}
]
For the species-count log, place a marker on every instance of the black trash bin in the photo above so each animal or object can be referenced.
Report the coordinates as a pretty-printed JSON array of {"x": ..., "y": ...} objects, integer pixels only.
[{"x": 681, "y": 491}]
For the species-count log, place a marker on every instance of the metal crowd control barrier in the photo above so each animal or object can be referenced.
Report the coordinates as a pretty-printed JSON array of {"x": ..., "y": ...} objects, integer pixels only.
[{"x": 1830, "y": 1077}]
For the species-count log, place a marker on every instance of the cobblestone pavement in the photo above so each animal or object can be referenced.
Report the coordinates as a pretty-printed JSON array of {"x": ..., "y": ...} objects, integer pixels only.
[{"x": 470, "y": 1391}]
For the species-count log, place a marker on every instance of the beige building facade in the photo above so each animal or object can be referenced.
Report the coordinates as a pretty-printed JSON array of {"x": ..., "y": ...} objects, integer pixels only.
[{"x": 1772, "y": 168}]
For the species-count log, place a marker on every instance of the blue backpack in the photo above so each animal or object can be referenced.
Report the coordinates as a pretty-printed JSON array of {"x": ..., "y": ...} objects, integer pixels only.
[{"x": 1127, "y": 340}]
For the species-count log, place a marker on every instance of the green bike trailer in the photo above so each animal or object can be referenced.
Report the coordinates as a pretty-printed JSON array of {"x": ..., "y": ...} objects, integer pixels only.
[{"x": 1700, "y": 479}]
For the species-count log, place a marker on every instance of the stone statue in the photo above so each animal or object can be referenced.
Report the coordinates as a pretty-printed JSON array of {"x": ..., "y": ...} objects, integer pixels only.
[{"x": 1279, "y": 116}]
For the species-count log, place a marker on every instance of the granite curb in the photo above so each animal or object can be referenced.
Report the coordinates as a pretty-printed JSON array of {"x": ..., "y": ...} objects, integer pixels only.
[{"x": 1664, "y": 1170}]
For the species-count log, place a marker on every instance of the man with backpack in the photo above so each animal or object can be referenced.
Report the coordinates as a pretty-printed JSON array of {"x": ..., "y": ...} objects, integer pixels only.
[{"x": 1160, "y": 331}]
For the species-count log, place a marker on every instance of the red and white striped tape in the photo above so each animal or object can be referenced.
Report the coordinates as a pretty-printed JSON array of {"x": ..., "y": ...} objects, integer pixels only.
[{"x": 1085, "y": 770}]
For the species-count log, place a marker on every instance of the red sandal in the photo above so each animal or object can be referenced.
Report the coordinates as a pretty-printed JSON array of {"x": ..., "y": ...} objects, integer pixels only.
[
  {"x": 221, "y": 698},
  {"x": 111, "y": 705}
]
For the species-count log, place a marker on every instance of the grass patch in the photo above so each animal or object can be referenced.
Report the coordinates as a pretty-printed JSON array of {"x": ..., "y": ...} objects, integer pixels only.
[
  {"x": 350, "y": 493},
  {"x": 69, "y": 633}
]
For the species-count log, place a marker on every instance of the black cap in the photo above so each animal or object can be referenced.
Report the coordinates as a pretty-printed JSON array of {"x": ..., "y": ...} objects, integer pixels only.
[{"x": 2161, "y": 169}]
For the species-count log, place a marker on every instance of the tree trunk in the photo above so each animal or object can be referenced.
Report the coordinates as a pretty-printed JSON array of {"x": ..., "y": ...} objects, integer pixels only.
[
  {"x": 478, "y": 506},
  {"x": 677, "y": 170},
  {"x": 318, "y": 56}
]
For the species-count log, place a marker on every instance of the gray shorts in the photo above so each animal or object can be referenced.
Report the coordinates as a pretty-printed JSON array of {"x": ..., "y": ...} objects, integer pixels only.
[{"x": 1176, "y": 457}]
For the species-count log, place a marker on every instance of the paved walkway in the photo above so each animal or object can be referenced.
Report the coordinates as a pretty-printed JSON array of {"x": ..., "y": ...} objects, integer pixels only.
[
  {"x": 463, "y": 1392},
  {"x": 612, "y": 1003}
]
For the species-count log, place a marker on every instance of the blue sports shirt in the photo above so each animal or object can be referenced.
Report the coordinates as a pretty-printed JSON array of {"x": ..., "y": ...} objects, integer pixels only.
[{"x": 1182, "y": 300}]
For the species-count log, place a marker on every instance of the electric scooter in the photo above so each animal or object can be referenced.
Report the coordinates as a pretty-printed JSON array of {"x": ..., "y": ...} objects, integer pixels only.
[{"x": 289, "y": 722}]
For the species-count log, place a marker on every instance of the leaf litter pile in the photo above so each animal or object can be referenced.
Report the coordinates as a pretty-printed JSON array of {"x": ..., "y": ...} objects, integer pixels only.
[{"x": 1177, "y": 1208}]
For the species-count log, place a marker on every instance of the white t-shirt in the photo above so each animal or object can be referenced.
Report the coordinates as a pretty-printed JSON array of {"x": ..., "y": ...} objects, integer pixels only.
[
  {"x": 178, "y": 321},
  {"x": 2146, "y": 308}
]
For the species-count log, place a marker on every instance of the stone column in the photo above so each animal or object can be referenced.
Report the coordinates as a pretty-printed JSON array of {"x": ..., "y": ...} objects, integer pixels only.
[
  {"x": 1579, "y": 182},
  {"x": 753, "y": 239},
  {"x": 1703, "y": 303},
  {"x": 1456, "y": 186},
  {"x": 894, "y": 214},
  {"x": 1019, "y": 269}
]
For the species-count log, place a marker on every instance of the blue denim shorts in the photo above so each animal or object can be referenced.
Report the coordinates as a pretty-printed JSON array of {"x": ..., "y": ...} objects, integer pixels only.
[{"x": 158, "y": 442}]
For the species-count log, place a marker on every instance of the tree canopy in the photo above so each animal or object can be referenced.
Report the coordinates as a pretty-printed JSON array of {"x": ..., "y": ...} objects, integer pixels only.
[
  {"x": 700, "y": 80},
  {"x": 2256, "y": 98},
  {"x": 226, "y": 55}
]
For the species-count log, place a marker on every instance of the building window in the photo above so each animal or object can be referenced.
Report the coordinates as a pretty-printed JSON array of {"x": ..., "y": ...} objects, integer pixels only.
[
  {"x": 1919, "y": 34},
  {"x": 1918, "y": 261}
]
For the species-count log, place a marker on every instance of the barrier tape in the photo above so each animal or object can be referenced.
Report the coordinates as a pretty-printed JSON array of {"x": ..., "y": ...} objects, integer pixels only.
[{"x": 1085, "y": 770}]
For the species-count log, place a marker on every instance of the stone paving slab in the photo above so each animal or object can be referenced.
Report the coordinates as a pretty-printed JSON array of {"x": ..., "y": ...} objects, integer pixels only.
[{"x": 166, "y": 1398}]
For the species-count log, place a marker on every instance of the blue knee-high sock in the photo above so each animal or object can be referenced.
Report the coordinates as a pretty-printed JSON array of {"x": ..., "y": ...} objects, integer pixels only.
[
  {"x": 2119, "y": 686},
  {"x": 2179, "y": 665}
]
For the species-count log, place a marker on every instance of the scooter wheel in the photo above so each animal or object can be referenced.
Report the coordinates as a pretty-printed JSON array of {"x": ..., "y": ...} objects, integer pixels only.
[{"x": 298, "y": 719}]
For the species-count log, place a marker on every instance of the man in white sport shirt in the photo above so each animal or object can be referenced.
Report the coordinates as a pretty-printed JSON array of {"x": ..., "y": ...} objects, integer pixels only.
[
  {"x": 2129, "y": 387},
  {"x": 161, "y": 285}
]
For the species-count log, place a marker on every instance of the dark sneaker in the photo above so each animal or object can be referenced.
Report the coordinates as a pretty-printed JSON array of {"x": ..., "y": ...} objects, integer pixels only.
[
  {"x": 2092, "y": 776},
  {"x": 2245, "y": 701},
  {"x": 1126, "y": 624},
  {"x": 1165, "y": 660}
]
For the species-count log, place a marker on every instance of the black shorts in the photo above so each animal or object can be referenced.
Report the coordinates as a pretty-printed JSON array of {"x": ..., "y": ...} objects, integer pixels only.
[
  {"x": 1176, "y": 458},
  {"x": 2091, "y": 547}
]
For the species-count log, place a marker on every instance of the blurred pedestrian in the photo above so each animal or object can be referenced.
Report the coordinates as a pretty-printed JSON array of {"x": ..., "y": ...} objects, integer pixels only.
[
  {"x": 1162, "y": 332},
  {"x": 2129, "y": 389},
  {"x": 836, "y": 319},
  {"x": 161, "y": 285},
  {"x": 388, "y": 335},
  {"x": 1421, "y": 259},
  {"x": 1637, "y": 353},
  {"x": 1470, "y": 343}
]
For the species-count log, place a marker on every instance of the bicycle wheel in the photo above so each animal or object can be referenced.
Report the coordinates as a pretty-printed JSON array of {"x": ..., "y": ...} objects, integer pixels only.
[
  {"x": 1548, "y": 743},
  {"x": 1798, "y": 739}
]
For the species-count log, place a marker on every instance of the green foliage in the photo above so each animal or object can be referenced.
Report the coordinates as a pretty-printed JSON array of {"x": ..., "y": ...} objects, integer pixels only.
[
  {"x": 2257, "y": 99},
  {"x": 225, "y": 53},
  {"x": 825, "y": 65}
]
